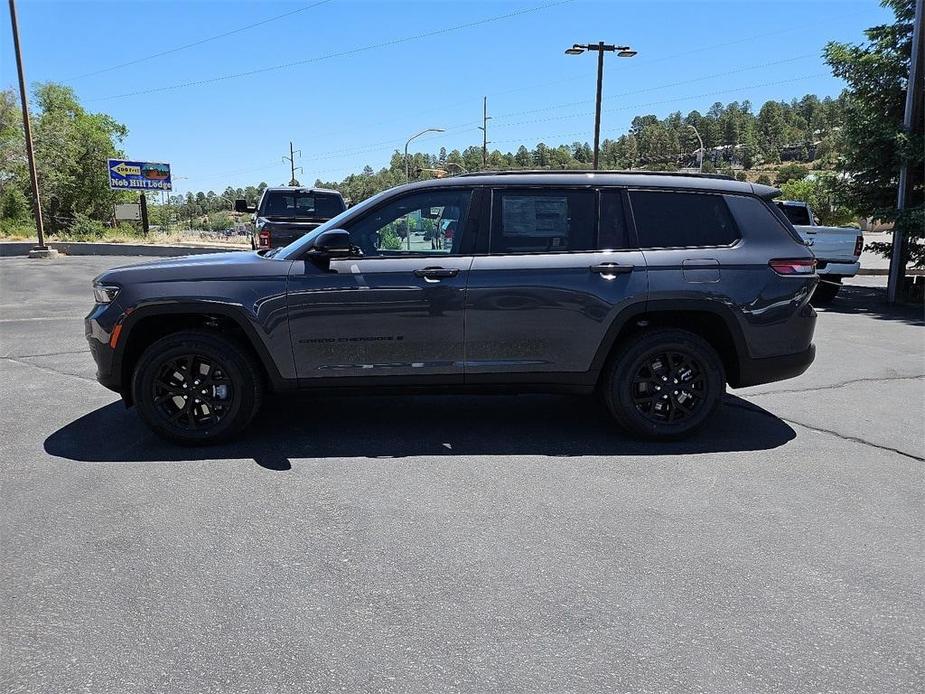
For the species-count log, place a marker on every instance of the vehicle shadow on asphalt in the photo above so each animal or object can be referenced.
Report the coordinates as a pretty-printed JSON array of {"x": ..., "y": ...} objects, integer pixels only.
[
  {"x": 390, "y": 427},
  {"x": 872, "y": 301}
]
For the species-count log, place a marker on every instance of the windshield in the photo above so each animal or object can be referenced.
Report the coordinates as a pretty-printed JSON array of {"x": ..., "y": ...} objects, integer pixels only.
[
  {"x": 300, "y": 204},
  {"x": 300, "y": 245},
  {"x": 797, "y": 214}
]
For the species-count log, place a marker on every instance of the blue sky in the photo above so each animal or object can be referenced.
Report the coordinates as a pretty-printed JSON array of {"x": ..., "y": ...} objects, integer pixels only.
[{"x": 357, "y": 107}]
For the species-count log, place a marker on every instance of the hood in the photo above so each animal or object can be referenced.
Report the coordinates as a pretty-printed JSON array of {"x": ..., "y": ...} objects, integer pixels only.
[{"x": 194, "y": 267}]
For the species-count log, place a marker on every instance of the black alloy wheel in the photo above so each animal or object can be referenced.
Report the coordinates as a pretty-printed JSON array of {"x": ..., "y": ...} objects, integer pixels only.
[
  {"x": 197, "y": 387},
  {"x": 193, "y": 391},
  {"x": 668, "y": 386},
  {"x": 663, "y": 383}
]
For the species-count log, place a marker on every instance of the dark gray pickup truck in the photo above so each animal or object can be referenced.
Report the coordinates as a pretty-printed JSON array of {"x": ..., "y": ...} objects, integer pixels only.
[
  {"x": 653, "y": 290},
  {"x": 284, "y": 214}
]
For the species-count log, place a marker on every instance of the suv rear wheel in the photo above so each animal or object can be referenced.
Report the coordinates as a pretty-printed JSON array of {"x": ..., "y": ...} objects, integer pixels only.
[
  {"x": 664, "y": 384},
  {"x": 197, "y": 388}
]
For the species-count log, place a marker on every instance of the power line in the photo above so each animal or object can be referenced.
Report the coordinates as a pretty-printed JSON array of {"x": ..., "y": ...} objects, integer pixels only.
[
  {"x": 338, "y": 54},
  {"x": 653, "y": 103},
  {"x": 661, "y": 86},
  {"x": 199, "y": 42},
  {"x": 666, "y": 101},
  {"x": 374, "y": 148},
  {"x": 473, "y": 125}
]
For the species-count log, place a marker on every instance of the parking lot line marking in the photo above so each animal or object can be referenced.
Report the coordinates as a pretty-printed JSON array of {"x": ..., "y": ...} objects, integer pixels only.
[
  {"x": 49, "y": 370},
  {"x": 38, "y": 318}
]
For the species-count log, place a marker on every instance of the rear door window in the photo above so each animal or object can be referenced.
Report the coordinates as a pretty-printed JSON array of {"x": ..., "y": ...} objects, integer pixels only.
[
  {"x": 668, "y": 219},
  {"x": 547, "y": 220},
  {"x": 612, "y": 232}
]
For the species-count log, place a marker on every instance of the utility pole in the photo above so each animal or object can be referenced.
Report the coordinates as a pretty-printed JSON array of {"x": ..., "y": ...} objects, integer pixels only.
[
  {"x": 143, "y": 202},
  {"x": 40, "y": 250},
  {"x": 292, "y": 166},
  {"x": 913, "y": 104},
  {"x": 484, "y": 129}
]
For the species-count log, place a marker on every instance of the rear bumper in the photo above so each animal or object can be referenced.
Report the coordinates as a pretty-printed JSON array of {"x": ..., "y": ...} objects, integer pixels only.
[
  {"x": 753, "y": 372},
  {"x": 829, "y": 268}
]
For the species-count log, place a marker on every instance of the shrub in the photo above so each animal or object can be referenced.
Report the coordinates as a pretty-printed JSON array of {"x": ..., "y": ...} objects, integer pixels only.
[
  {"x": 14, "y": 206},
  {"x": 83, "y": 228},
  {"x": 791, "y": 172}
]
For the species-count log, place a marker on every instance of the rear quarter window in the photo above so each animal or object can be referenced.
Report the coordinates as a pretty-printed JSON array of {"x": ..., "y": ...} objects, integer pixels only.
[
  {"x": 668, "y": 219},
  {"x": 760, "y": 218}
]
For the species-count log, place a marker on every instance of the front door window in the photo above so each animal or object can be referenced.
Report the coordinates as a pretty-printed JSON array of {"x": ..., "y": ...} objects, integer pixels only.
[{"x": 424, "y": 223}]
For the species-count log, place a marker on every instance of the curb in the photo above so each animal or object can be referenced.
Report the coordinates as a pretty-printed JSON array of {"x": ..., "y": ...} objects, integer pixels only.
[
  {"x": 22, "y": 248},
  {"x": 884, "y": 272}
]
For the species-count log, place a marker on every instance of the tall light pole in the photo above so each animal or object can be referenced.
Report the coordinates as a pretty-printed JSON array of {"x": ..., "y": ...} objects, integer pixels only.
[
  {"x": 897, "y": 271},
  {"x": 413, "y": 137},
  {"x": 699, "y": 151},
  {"x": 601, "y": 48},
  {"x": 40, "y": 250}
]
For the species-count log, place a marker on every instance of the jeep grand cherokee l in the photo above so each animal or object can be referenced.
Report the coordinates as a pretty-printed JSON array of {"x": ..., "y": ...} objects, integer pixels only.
[{"x": 654, "y": 290}]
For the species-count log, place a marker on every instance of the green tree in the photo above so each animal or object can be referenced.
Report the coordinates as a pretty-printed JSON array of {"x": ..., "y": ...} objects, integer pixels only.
[
  {"x": 821, "y": 191},
  {"x": 791, "y": 172},
  {"x": 874, "y": 142},
  {"x": 71, "y": 149},
  {"x": 14, "y": 206}
]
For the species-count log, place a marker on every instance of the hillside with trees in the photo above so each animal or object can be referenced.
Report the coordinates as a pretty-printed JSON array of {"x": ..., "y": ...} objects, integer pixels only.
[{"x": 737, "y": 141}]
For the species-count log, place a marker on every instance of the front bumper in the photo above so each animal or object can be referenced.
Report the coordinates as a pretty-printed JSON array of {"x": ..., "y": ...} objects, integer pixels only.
[{"x": 98, "y": 327}]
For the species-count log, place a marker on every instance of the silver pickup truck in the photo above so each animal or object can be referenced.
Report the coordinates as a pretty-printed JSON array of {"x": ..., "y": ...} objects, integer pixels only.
[{"x": 837, "y": 249}]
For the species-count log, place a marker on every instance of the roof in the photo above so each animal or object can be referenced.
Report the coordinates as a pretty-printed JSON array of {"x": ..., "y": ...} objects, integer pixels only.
[
  {"x": 647, "y": 179},
  {"x": 307, "y": 189}
]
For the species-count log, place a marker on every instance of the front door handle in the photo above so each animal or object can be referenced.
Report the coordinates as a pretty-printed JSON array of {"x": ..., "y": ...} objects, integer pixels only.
[
  {"x": 433, "y": 273},
  {"x": 611, "y": 269}
]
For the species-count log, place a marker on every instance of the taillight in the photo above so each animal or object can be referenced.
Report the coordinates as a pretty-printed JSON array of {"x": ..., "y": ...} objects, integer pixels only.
[
  {"x": 859, "y": 245},
  {"x": 794, "y": 266},
  {"x": 263, "y": 238}
]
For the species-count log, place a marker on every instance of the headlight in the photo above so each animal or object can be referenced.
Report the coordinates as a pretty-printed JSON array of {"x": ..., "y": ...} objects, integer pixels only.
[{"x": 104, "y": 293}]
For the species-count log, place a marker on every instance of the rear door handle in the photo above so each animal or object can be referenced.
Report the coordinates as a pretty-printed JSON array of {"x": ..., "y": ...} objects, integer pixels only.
[
  {"x": 432, "y": 273},
  {"x": 611, "y": 269}
]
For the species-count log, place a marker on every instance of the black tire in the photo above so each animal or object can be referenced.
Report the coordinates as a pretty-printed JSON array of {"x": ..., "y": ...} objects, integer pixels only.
[
  {"x": 825, "y": 293},
  {"x": 170, "y": 368},
  {"x": 682, "y": 363}
]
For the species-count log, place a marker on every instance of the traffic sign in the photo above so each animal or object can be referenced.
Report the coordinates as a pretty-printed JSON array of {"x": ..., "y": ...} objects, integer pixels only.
[{"x": 138, "y": 175}]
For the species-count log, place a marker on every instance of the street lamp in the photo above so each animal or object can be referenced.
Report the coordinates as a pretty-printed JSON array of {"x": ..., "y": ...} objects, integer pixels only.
[
  {"x": 601, "y": 48},
  {"x": 699, "y": 151},
  {"x": 428, "y": 130}
]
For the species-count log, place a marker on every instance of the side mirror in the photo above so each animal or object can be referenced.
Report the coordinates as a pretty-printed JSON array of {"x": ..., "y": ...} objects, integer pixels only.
[
  {"x": 242, "y": 206},
  {"x": 334, "y": 243}
]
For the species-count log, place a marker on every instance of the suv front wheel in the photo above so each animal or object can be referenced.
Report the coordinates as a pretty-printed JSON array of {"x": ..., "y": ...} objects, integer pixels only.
[
  {"x": 664, "y": 384},
  {"x": 197, "y": 388}
]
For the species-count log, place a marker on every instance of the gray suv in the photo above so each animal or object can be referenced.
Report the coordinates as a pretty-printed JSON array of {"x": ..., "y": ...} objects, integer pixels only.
[{"x": 653, "y": 290}]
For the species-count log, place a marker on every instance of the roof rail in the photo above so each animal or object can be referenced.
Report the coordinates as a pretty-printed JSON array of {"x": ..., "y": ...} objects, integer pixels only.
[{"x": 634, "y": 172}]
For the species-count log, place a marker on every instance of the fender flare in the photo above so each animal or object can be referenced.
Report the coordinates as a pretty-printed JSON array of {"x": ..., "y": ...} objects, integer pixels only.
[
  {"x": 237, "y": 315},
  {"x": 656, "y": 306}
]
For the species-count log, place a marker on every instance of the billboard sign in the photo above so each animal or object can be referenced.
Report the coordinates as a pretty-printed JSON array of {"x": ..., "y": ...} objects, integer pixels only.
[{"x": 138, "y": 175}]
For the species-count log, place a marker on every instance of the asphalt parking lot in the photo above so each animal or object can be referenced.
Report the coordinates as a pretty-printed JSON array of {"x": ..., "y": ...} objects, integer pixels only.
[{"x": 462, "y": 543}]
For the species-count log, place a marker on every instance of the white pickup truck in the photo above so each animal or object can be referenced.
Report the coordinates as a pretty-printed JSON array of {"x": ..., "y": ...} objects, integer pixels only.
[{"x": 837, "y": 249}]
